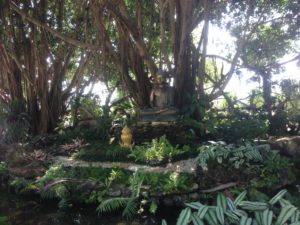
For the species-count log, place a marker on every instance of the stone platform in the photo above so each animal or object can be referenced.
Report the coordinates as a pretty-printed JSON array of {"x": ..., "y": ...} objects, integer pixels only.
[
  {"x": 176, "y": 132},
  {"x": 159, "y": 115}
]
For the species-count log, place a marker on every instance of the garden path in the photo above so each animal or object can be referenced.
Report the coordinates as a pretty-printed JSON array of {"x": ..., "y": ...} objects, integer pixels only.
[{"x": 182, "y": 166}]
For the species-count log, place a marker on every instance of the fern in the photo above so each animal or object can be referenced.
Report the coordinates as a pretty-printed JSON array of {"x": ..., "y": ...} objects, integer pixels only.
[
  {"x": 236, "y": 156},
  {"x": 131, "y": 208},
  {"x": 136, "y": 182},
  {"x": 112, "y": 204},
  {"x": 130, "y": 204}
]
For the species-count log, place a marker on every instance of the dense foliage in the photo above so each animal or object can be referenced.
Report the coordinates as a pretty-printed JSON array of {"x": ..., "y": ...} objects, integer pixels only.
[
  {"x": 53, "y": 53},
  {"x": 238, "y": 211}
]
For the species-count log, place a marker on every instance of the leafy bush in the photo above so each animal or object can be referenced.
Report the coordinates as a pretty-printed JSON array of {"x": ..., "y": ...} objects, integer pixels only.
[
  {"x": 4, "y": 220},
  {"x": 176, "y": 182},
  {"x": 240, "y": 212},
  {"x": 3, "y": 168},
  {"x": 89, "y": 134},
  {"x": 239, "y": 128},
  {"x": 236, "y": 124},
  {"x": 90, "y": 121},
  {"x": 130, "y": 204},
  {"x": 168, "y": 182},
  {"x": 276, "y": 168},
  {"x": 232, "y": 155},
  {"x": 102, "y": 152},
  {"x": 258, "y": 161},
  {"x": 160, "y": 150},
  {"x": 14, "y": 121}
]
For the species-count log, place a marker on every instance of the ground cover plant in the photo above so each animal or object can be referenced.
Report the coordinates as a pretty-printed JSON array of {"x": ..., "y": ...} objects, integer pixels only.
[
  {"x": 4, "y": 220},
  {"x": 99, "y": 185},
  {"x": 259, "y": 164},
  {"x": 157, "y": 152},
  {"x": 102, "y": 152},
  {"x": 276, "y": 210}
]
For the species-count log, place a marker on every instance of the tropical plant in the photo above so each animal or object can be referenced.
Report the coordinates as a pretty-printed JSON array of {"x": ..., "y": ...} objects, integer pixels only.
[
  {"x": 236, "y": 156},
  {"x": 14, "y": 122},
  {"x": 238, "y": 123},
  {"x": 3, "y": 168},
  {"x": 176, "y": 182},
  {"x": 275, "y": 168},
  {"x": 277, "y": 211},
  {"x": 102, "y": 152},
  {"x": 130, "y": 204},
  {"x": 158, "y": 151},
  {"x": 4, "y": 220}
]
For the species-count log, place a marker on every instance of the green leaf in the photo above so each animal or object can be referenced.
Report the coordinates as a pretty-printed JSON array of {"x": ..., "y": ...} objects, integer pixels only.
[
  {"x": 295, "y": 217},
  {"x": 286, "y": 213},
  {"x": 230, "y": 204},
  {"x": 267, "y": 217},
  {"x": 130, "y": 209},
  {"x": 211, "y": 217},
  {"x": 240, "y": 198},
  {"x": 196, "y": 219},
  {"x": 164, "y": 222},
  {"x": 232, "y": 215},
  {"x": 240, "y": 213},
  {"x": 221, "y": 201},
  {"x": 296, "y": 223},
  {"x": 253, "y": 206},
  {"x": 112, "y": 204},
  {"x": 153, "y": 207},
  {"x": 259, "y": 218},
  {"x": 245, "y": 220},
  {"x": 194, "y": 205},
  {"x": 249, "y": 221},
  {"x": 184, "y": 217},
  {"x": 201, "y": 212},
  {"x": 284, "y": 202},
  {"x": 220, "y": 214},
  {"x": 277, "y": 197}
]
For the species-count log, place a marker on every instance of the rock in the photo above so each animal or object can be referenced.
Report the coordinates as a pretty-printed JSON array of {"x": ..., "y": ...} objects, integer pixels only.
[
  {"x": 194, "y": 196},
  {"x": 112, "y": 192},
  {"x": 289, "y": 146},
  {"x": 167, "y": 201},
  {"x": 195, "y": 187},
  {"x": 146, "y": 131}
]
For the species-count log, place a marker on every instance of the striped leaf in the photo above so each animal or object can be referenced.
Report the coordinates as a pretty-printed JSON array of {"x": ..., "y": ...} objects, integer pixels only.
[{"x": 184, "y": 217}]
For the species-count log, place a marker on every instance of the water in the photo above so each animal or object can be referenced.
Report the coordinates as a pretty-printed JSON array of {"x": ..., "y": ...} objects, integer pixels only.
[{"x": 33, "y": 211}]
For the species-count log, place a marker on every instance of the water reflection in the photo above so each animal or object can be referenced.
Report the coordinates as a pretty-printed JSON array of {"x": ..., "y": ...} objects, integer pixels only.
[{"x": 22, "y": 211}]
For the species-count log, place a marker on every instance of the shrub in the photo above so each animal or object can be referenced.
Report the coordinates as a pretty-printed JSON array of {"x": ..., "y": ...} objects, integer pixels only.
[
  {"x": 247, "y": 159},
  {"x": 158, "y": 151}
]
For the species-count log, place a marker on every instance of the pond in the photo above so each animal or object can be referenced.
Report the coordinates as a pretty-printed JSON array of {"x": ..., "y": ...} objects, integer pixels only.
[{"x": 34, "y": 211}]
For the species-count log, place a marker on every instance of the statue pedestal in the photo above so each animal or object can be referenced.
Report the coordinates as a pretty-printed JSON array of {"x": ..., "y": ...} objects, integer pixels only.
[{"x": 158, "y": 115}]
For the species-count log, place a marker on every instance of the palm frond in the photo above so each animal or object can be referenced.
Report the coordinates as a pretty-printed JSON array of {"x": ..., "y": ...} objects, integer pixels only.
[
  {"x": 112, "y": 204},
  {"x": 131, "y": 208}
]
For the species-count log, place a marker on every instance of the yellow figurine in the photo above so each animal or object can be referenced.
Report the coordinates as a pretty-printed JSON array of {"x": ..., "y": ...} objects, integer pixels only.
[{"x": 126, "y": 137}]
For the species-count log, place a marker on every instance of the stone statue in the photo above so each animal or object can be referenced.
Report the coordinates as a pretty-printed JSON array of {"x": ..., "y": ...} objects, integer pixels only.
[
  {"x": 161, "y": 101},
  {"x": 162, "y": 95}
]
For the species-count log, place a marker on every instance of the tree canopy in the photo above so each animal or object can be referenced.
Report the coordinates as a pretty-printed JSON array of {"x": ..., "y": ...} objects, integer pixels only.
[{"x": 51, "y": 50}]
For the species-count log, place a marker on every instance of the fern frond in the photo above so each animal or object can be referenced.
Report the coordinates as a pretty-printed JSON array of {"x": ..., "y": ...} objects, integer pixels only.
[
  {"x": 112, "y": 204},
  {"x": 131, "y": 208}
]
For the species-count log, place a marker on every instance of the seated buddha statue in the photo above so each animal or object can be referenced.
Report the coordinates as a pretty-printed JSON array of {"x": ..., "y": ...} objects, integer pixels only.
[{"x": 161, "y": 101}]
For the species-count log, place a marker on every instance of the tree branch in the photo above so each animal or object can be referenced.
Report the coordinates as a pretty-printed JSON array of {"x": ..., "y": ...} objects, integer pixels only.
[{"x": 53, "y": 32}]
